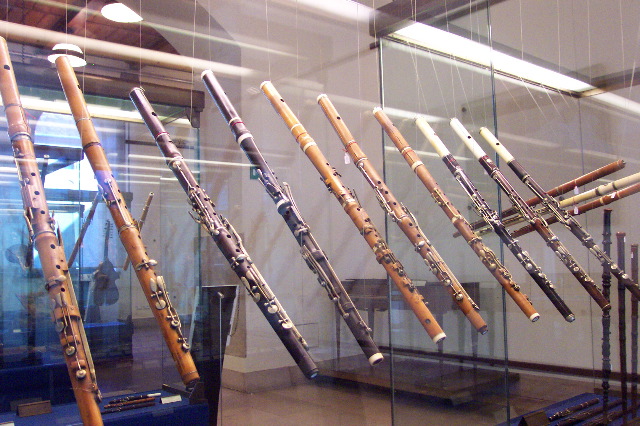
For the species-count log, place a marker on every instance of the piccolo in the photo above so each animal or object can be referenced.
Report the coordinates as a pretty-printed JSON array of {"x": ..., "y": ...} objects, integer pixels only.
[
  {"x": 405, "y": 220},
  {"x": 358, "y": 215},
  {"x": 565, "y": 187},
  {"x": 311, "y": 251},
  {"x": 583, "y": 208},
  {"x": 531, "y": 217},
  {"x": 152, "y": 284},
  {"x": 42, "y": 231},
  {"x": 486, "y": 255},
  {"x": 491, "y": 217},
  {"x": 227, "y": 240},
  {"x": 563, "y": 217}
]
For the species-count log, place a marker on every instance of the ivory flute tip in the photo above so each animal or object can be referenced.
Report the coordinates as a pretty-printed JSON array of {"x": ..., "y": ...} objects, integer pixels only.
[
  {"x": 377, "y": 109},
  {"x": 205, "y": 72},
  {"x": 438, "y": 337},
  {"x": 263, "y": 83},
  {"x": 320, "y": 96}
]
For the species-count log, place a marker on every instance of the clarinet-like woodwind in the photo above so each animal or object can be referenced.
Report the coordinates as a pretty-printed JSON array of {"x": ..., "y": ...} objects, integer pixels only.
[
  {"x": 486, "y": 255},
  {"x": 358, "y": 215},
  {"x": 491, "y": 217},
  {"x": 559, "y": 213},
  {"x": 532, "y": 218},
  {"x": 153, "y": 285},
  {"x": 622, "y": 322},
  {"x": 606, "y": 315},
  {"x": 405, "y": 220},
  {"x": 42, "y": 232},
  {"x": 564, "y": 188},
  {"x": 227, "y": 240},
  {"x": 313, "y": 255}
]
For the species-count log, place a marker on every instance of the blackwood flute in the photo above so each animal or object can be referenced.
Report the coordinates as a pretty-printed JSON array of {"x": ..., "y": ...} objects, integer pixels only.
[
  {"x": 491, "y": 217},
  {"x": 563, "y": 217},
  {"x": 405, "y": 220},
  {"x": 565, "y": 187},
  {"x": 606, "y": 315},
  {"x": 634, "y": 333},
  {"x": 486, "y": 255},
  {"x": 532, "y": 218},
  {"x": 622, "y": 322},
  {"x": 227, "y": 240},
  {"x": 587, "y": 414},
  {"x": 358, "y": 215},
  {"x": 573, "y": 409},
  {"x": 583, "y": 208},
  {"x": 152, "y": 284},
  {"x": 311, "y": 251},
  {"x": 42, "y": 232}
]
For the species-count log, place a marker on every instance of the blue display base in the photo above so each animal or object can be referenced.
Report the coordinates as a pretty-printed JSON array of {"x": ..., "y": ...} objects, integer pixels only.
[{"x": 172, "y": 414}]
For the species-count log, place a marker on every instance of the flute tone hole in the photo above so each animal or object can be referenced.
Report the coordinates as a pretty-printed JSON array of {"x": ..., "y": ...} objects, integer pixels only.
[
  {"x": 154, "y": 114},
  {"x": 7, "y": 67}
]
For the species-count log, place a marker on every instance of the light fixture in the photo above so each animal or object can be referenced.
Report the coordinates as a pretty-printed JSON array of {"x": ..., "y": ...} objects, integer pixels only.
[
  {"x": 463, "y": 49},
  {"x": 118, "y": 12},
  {"x": 73, "y": 52}
]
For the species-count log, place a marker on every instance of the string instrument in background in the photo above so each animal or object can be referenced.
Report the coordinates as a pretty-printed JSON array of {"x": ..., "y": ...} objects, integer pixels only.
[{"x": 105, "y": 291}]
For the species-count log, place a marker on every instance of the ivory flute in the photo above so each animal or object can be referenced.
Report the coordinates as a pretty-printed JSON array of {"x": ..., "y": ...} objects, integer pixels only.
[
  {"x": 491, "y": 217},
  {"x": 486, "y": 255},
  {"x": 532, "y": 218},
  {"x": 153, "y": 285},
  {"x": 358, "y": 215},
  {"x": 583, "y": 208},
  {"x": 311, "y": 251},
  {"x": 559, "y": 213},
  {"x": 42, "y": 231},
  {"x": 564, "y": 188},
  {"x": 405, "y": 220},
  {"x": 227, "y": 240}
]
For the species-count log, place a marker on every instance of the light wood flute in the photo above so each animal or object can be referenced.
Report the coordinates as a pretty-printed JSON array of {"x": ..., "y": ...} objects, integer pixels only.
[
  {"x": 42, "y": 230},
  {"x": 153, "y": 285},
  {"x": 486, "y": 255},
  {"x": 405, "y": 220},
  {"x": 358, "y": 215}
]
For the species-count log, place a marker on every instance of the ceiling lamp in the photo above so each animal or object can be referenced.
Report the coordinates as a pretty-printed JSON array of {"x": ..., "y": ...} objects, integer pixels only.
[
  {"x": 73, "y": 52},
  {"x": 118, "y": 12}
]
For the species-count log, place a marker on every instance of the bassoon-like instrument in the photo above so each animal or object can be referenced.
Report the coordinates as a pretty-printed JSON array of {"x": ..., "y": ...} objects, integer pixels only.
[
  {"x": 227, "y": 240},
  {"x": 491, "y": 217},
  {"x": 559, "y": 213},
  {"x": 153, "y": 285},
  {"x": 43, "y": 234},
  {"x": 564, "y": 188},
  {"x": 311, "y": 251},
  {"x": 531, "y": 217},
  {"x": 486, "y": 255},
  {"x": 358, "y": 215},
  {"x": 405, "y": 220}
]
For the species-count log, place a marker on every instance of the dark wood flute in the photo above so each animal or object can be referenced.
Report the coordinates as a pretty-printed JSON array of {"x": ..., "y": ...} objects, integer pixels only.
[
  {"x": 564, "y": 188},
  {"x": 563, "y": 217},
  {"x": 227, "y": 240},
  {"x": 588, "y": 414},
  {"x": 42, "y": 231},
  {"x": 358, "y": 215},
  {"x": 405, "y": 220},
  {"x": 622, "y": 322},
  {"x": 573, "y": 409},
  {"x": 583, "y": 208},
  {"x": 153, "y": 285},
  {"x": 606, "y": 315},
  {"x": 486, "y": 255},
  {"x": 634, "y": 333},
  {"x": 538, "y": 223},
  {"x": 491, "y": 217}
]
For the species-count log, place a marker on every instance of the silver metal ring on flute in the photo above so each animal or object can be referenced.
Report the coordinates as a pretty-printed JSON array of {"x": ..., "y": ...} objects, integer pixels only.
[
  {"x": 89, "y": 145},
  {"x": 82, "y": 118},
  {"x": 20, "y": 134},
  {"x": 12, "y": 105},
  {"x": 162, "y": 133},
  {"x": 44, "y": 231},
  {"x": 126, "y": 226},
  {"x": 173, "y": 160}
]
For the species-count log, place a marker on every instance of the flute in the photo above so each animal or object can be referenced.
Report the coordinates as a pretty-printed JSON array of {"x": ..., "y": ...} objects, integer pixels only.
[
  {"x": 227, "y": 240},
  {"x": 622, "y": 322},
  {"x": 634, "y": 333},
  {"x": 405, "y": 220},
  {"x": 491, "y": 217},
  {"x": 532, "y": 218},
  {"x": 584, "y": 415},
  {"x": 313, "y": 255},
  {"x": 140, "y": 224},
  {"x": 153, "y": 285},
  {"x": 583, "y": 208},
  {"x": 573, "y": 409},
  {"x": 55, "y": 269},
  {"x": 563, "y": 217},
  {"x": 358, "y": 215},
  {"x": 486, "y": 255},
  {"x": 606, "y": 315},
  {"x": 564, "y": 188}
]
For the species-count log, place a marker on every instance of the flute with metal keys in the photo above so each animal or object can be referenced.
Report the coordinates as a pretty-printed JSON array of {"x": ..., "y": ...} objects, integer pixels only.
[
  {"x": 491, "y": 217},
  {"x": 559, "y": 213},
  {"x": 313, "y": 255},
  {"x": 486, "y": 255},
  {"x": 405, "y": 220},
  {"x": 358, "y": 215},
  {"x": 227, "y": 240}
]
